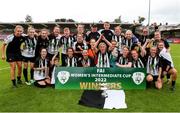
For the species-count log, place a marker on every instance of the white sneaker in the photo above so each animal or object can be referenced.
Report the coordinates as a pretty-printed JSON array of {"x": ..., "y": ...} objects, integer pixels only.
[{"x": 28, "y": 83}]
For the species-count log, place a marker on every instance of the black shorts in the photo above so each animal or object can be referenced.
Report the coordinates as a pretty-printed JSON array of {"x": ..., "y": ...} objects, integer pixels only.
[
  {"x": 50, "y": 56},
  {"x": 164, "y": 68},
  {"x": 13, "y": 57},
  {"x": 29, "y": 59}
]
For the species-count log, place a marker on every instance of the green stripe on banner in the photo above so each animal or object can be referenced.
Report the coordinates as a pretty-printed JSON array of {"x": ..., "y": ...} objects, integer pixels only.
[{"x": 93, "y": 78}]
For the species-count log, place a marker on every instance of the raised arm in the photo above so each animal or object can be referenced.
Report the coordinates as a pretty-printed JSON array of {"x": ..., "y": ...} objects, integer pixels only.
[
  {"x": 52, "y": 61},
  {"x": 107, "y": 42},
  {"x": 143, "y": 51},
  {"x": 99, "y": 39}
]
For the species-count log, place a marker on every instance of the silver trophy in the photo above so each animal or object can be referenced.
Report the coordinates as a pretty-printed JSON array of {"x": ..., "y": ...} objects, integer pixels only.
[
  {"x": 52, "y": 46},
  {"x": 52, "y": 49},
  {"x": 30, "y": 51},
  {"x": 104, "y": 87}
]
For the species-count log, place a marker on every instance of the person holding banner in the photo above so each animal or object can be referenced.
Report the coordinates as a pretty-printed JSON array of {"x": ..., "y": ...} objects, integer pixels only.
[
  {"x": 28, "y": 53},
  {"x": 41, "y": 70},
  {"x": 70, "y": 59},
  {"x": 85, "y": 61},
  {"x": 154, "y": 68},
  {"x": 13, "y": 53},
  {"x": 124, "y": 59},
  {"x": 137, "y": 61}
]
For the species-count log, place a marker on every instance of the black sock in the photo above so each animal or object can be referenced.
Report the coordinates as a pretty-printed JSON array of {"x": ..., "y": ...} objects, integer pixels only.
[
  {"x": 168, "y": 76},
  {"x": 18, "y": 78},
  {"x": 32, "y": 74},
  {"x": 173, "y": 83},
  {"x": 25, "y": 75},
  {"x": 14, "y": 82}
]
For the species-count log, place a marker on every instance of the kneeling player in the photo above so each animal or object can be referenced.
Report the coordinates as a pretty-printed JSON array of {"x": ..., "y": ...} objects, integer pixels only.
[{"x": 154, "y": 68}]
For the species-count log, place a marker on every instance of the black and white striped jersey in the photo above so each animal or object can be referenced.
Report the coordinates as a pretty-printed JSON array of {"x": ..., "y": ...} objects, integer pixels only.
[
  {"x": 66, "y": 42},
  {"x": 137, "y": 63},
  {"x": 130, "y": 42},
  {"x": 40, "y": 63},
  {"x": 54, "y": 44},
  {"x": 166, "y": 58},
  {"x": 103, "y": 60},
  {"x": 78, "y": 46},
  {"x": 122, "y": 60},
  {"x": 89, "y": 62},
  {"x": 70, "y": 62},
  {"x": 142, "y": 39},
  {"x": 29, "y": 47},
  {"x": 119, "y": 39},
  {"x": 153, "y": 65}
]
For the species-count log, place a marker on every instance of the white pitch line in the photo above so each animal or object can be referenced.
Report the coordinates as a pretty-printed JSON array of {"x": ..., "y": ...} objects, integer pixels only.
[{"x": 4, "y": 68}]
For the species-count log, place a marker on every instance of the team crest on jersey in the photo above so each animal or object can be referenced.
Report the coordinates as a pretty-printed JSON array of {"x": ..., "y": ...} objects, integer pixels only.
[
  {"x": 63, "y": 76},
  {"x": 138, "y": 77}
]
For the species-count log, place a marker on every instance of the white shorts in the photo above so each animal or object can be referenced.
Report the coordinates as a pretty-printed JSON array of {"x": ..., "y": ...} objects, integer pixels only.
[{"x": 38, "y": 76}]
